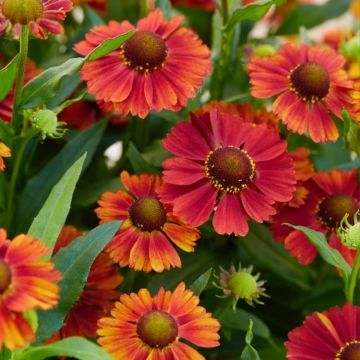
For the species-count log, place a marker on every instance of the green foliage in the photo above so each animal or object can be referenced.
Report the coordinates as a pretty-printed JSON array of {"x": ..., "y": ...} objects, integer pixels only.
[
  {"x": 48, "y": 223},
  {"x": 109, "y": 45},
  {"x": 44, "y": 87},
  {"x": 38, "y": 187},
  {"x": 200, "y": 284},
  {"x": 74, "y": 262},
  {"x": 249, "y": 353},
  {"x": 7, "y": 77},
  {"x": 74, "y": 347},
  {"x": 139, "y": 164}
]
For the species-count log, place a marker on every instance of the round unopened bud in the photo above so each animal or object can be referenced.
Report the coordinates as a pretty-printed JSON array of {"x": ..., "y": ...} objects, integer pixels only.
[
  {"x": 47, "y": 122},
  {"x": 351, "y": 237},
  {"x": 264, "y": 50},
  {"x": 243, "y": 285},
  {"x": 22, "y": 11}
]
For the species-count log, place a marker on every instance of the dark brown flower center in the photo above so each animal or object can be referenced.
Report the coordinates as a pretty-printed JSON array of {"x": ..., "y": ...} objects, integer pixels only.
[
  {"x": 157, "y": 329},
  {"x": 5, "y": 276},
  {"x": 332, "y": 209},
  {"x": 229, "y": 169},
  {"x": 22, "y": 11},
  {"x": 310, "y": 81},
  {"x": 145, "y": 51},
  {"x": 148, "y": 213},
  {"x": 350, "y": 351}
]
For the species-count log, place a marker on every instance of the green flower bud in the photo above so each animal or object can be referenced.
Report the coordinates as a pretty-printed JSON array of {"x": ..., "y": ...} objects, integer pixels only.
[
  {"x": 46, "y": 121},
  {"x": 241, "y": 284},
  {"x": 349, "y": 234},
  {"x": 264, "y": 50},
  {"x": 22, "y": 11}
]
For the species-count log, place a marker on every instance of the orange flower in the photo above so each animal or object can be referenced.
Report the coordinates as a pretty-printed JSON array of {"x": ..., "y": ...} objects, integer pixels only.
[
  {"x": 26, "y": 283},
  {"x": 142, "y": 327},
  {"x": 355, "y": 8},
  {"x": 311, "y": 85},
  {"x": 97, "y": 298},
  {"x": 160, "y": 67},
  {"x": 355, "y": 110},
  {"x": 144, "y": 239},
  {"x": 4, "y": 153}
]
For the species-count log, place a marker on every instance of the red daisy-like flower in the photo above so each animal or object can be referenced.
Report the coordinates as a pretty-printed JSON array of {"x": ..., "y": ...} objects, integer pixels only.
[
  {"x": 225, "y": 164},
  {"x": 245, "y": 111},
  {"x": 331, "y": 195},
  {"x": 5, "y": 152},
  {"x": 208, "y": 5},
  {"x": 26, "y": 283},
  {"x": 145, "y": 327},
  {"x": 144, "y": 239},
  {"x": 331, "y": 335},
  {"x": 6, "y": 105},
  {"x": 312, "y": 86},
  {"x": 42, "y": 16},
  {"x": 99, "y": 5},
  {"x": 98, "y": 295},
  {"x": 160, "y": 67}
]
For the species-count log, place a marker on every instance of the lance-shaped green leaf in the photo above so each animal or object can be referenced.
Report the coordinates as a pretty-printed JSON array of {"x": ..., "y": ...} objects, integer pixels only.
[
  {"x": 199, "y": 285},
  {"x": 351, "y": 132},
  {"x": 252, "y": 12},
  {"x": 52, "y": 216},
  {"x": 330, "y": 255},
  {"x": 109, "y": 45},
  {"x": 249, "y": 352},
  {"x": 139, "y": 164},
  {"x": 74, "y": 347},
  {"x": 44, "y": 87},
  {"x": 74, "y": 262},
  {"x": 38, "y": 187},
  {"x": 7, "y": 77}
]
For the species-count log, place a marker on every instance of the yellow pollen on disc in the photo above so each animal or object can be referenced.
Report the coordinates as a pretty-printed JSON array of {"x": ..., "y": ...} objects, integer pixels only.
[
  {"x": 144, "y": 52},
  {"x": 310, "y": 81},
  {"x": 5, "y": 276},
  {"x": 229, "y": 169},
  {"x": 157, "y": 329},
  {"x": 350, "y": 351},
  {"x": 22, "y": 11}
]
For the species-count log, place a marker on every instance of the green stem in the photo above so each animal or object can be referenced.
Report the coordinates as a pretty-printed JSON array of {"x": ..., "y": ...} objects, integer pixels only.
[
  {"x": 15, "y": 175},
  {"x": 19, "y": 85},
  {"x": 353, "y": 278},
  {"x": 143, "y": 8},
  {"x": 225, "y": 11}
]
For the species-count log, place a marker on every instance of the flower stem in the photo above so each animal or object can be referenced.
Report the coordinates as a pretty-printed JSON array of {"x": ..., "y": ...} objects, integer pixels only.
[
  {"x": 353, "y": 278},
  {"x": 225, "y": 11},
  {"x": 19, "y": 85},
  {"x": 143, "y": 8}
]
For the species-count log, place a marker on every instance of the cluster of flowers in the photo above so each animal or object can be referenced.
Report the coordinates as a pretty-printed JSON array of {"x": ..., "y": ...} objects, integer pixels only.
[{"x": 230, "y": 163}]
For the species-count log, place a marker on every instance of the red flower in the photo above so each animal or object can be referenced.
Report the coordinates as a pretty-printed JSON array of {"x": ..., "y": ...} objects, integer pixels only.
[
  {"x": 145, "y": 327},
  {"x": 225, "y": 164},
  {"x": 311, "y": 85},
  {"x": 331, "y": 195},
  {"x": 208, "y": 5},
  {"x": 97, "y": 298},
  {"x": 245, "y": 111},
  {"x": 160, "y": 67},
  {"x": 26, "y": 283},
  {"x": 144, "y": 239},
  {"x": 331, "y": 335},
  {"x": 42, "y": 16},
  {"x": 99, "y": 5}
]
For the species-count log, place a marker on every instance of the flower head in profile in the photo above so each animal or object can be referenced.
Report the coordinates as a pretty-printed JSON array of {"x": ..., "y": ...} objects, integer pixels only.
[
  {"x": 98, "y": 295},
  {"x": 160, "y": 67},
  {"x": 224, "y": 164},
  {"x": 42, "y": 16},
  {"x": 331, "y": 196},
  {"x": 5, "y": 152},
  {"x": 26, "y": 283},
  {"x": 243, "y": 110},
  {"x": 311, "y": 85},
  {"x": 208, "y": 5},
  {"x": 333, "y": 334},
  {"x": 145, "y": 327},
  {"x": 241, "y": 284},
  {"x": 144, "y": 240}
]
